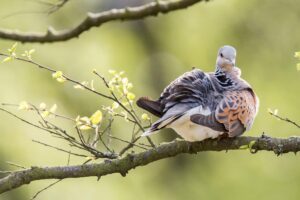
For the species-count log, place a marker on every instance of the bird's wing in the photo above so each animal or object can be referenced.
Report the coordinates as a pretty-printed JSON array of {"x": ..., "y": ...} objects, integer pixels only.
[
  {"x": 191, "y": 89},
  {"x": 209, "y": 121},
  {"x": 237, "y": 111}
]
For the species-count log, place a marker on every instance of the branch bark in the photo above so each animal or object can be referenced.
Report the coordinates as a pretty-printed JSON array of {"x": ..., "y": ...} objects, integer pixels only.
[
  {"x": 97, "y": 19},
  {"x": 124, "y": 164}
]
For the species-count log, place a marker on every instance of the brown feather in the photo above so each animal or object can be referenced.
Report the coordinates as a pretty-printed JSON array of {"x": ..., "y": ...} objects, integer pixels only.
[{"x": 237, "y": 111}]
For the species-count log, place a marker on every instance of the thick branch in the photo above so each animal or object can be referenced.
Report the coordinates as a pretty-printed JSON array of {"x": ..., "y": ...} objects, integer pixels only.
[
  {"x": 97, "y": 19},
  {"x": 123, "y": 165}
]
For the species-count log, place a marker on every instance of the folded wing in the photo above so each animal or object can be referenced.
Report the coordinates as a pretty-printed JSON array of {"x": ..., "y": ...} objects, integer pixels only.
[
  {"x": 188, "y": 91},
  {"x": 237, "y": 111}
]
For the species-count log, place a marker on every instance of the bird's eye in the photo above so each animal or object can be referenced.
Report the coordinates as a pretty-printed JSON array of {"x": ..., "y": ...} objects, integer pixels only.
[{"x": 221, "y": 55}]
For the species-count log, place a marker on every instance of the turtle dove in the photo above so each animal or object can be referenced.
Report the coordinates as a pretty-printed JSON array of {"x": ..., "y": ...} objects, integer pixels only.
[{"x": 200, "y": 105}]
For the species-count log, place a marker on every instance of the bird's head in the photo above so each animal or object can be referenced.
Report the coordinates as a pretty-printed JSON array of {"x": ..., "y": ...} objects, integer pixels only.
[{"x": 226, "y": 58}]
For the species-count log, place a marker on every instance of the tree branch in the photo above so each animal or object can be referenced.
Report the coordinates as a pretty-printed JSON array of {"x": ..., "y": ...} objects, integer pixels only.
[
  {"x": 97, "y": 19},
  {"x": 123, "y": 165}
]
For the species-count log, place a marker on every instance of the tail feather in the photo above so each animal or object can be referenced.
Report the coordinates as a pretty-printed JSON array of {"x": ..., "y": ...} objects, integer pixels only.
[
  {"x": 148, "y": 132},
  {"x": 153, "y": 107},
  {"x": 161, "y": 123}
]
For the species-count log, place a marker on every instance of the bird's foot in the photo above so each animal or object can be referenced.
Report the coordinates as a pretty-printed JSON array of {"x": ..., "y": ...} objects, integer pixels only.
[{"x": 222, "y": 136}]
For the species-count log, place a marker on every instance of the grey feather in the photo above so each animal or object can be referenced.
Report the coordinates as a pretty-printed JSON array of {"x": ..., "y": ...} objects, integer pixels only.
[
  {"x": 208, "y": 121},
  {"x": 238, "y": 129}
]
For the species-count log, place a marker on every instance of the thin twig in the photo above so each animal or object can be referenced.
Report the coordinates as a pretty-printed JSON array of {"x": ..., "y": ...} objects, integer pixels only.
[
  {"x": 60, "y": 149},
  {"x": 129, "y": 146},
  {"x": 15, "y": 165},
  {"x": 132, "y": 114},
  {"x": 136, "y": 145},
  {"x": 53, "y": 71},
  {"x": 69, "y": 158},
  {"x": 5, "y": 172},
  {"x": 57, "y": 6},
  {"x": 42, "y": 190},
  {"x": 25, "y": 121},
  {"x": 41, "y": 110},
  {"x": 285, "y": 119}
]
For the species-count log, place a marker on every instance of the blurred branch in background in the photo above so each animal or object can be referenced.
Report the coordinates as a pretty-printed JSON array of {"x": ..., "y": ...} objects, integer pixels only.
[
  {"x": 132, "y": 160},
  {"x": 97, "y": 19},
  {"x": 51, "y": 8},
  {"x": 54, "y": 6}
]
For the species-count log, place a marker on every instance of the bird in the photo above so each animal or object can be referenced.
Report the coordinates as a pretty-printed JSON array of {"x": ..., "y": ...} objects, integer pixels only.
[{"x": 199, "y": 105}]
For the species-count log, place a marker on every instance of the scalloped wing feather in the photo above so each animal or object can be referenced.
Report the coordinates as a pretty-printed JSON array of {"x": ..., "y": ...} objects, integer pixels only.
[{"x": 237, "y": 111}]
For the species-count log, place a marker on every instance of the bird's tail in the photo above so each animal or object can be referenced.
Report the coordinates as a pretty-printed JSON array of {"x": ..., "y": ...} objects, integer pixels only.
[
  {"x": 153, "y": 107},
  {"x": 161, "y": 123}
]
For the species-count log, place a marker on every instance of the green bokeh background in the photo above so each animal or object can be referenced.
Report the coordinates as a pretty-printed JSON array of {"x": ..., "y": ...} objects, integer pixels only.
[{"x": 153, "y": 52}]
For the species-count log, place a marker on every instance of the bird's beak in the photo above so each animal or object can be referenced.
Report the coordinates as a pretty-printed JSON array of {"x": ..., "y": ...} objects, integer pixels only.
[{"x": 231, "y": 62}]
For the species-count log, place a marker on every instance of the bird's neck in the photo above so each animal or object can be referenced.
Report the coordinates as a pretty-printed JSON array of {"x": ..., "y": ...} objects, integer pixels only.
[{"x": 222, "y": 77}]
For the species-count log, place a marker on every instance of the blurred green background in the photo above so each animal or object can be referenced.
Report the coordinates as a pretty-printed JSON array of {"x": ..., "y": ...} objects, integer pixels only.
[{"x": 153, "y": 52}]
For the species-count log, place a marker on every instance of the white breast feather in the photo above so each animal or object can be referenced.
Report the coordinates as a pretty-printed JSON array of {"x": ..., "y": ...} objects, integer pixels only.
[{"x": 191, "y": 131}]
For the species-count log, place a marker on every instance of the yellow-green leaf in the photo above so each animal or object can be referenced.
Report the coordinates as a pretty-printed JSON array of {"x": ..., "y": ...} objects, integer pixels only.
[
  {"x": 125, "y": 81},
  {"x": 298, "y": 66},
  {"x": 85, "y": 127},
  {"x": 112, "y": 71},
  {"x": 57, "y": 74},
  {"x": 77, "y": 86},
  {"x": 114, "y": 105},
  {"x": 129, "y": 86},
  {"x": 53, "y": 108},
  {"x": 244, "y": 147},
  {"x": 90, "y": 158},
  {"x": 121, "y": 73},
  {"x": 13, "y": 48},
  {"x": 7, "y": 59},
  {"x": 251, "y": 144},
  {"x": 92, "y": 85},
  {"x": 96, "y": 118},
  {"x": 145, "y": 117},
  {"x": 45, "y": 114},
  {"x": 61, "y": 80},
  {"x": 297, "y": 54},
  {"x": 23, "y": 105},
  {"x": 130, "y": 96},
  {"x": 42, "y": 106},
  {"x": 31, "y": 51},
  {"x": 85, "y": 119}
]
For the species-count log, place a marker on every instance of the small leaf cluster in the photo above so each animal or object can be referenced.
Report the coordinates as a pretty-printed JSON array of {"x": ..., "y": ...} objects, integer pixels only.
[
  {"x": 297, "y": 55},
  {"x": 12, "y": 53}
]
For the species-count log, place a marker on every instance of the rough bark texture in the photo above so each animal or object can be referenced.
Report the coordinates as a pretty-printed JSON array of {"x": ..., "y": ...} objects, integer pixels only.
[
  {"x": 97, "y": 19},
  {"x": 124, "y": 164}
]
